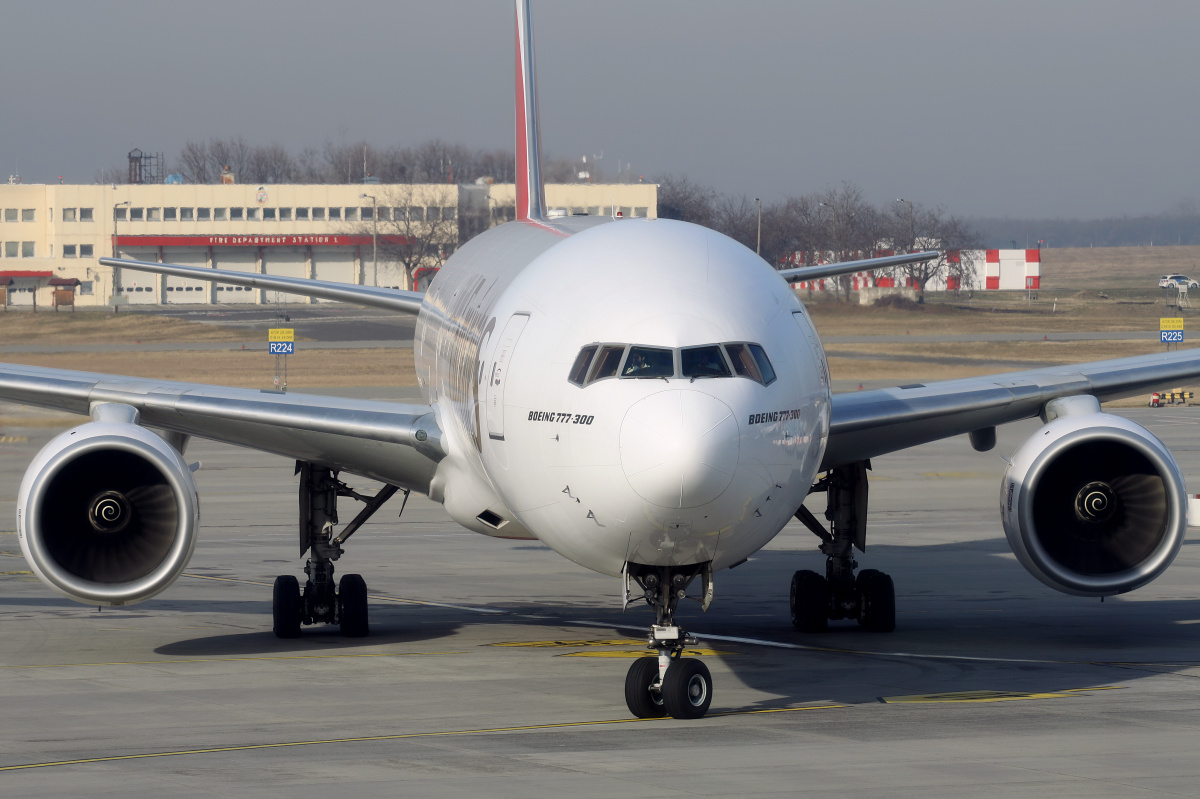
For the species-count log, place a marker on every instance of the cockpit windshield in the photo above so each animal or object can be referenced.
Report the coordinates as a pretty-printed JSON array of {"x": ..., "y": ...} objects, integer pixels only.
[
  {"x": 599, "y": 361},
  {"x": 703, "y": 362},
  {"x": 649, "y": 362}
]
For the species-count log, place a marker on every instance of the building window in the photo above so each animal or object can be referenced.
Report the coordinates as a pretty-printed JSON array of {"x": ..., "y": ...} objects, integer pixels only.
[
  {"x": 318, "y": 213},
  {"x": 398, "y": 214},
  {"x": 351, "y": 214},
  {"x": 335, "y": 213},
  {"x": 137, "y": 214},
  {"x": 86, "y": 215},
  {"x": 220, "y": 214},
  {"x": 625, "y": 211},
  {"x": 641, "y": 211},
  {"x": 366, "y": 213},
  {"x": 449, "y": 213},
  {"x": 268, "y": 214},
  {"x": 170, "y": 214},
  {"x": 236, "y": 214},
  {"x": 10, "y": 214},
  {"x": 302, "y": 213},
  {"x": 121, "y": 214},
  {"x": 68, "y": 251},
  {"x": 153, "y": 214},
  {"x": 85, "y": 251},
  {"x": 27, "y": 249},
  {"x": 203, "y": 214},
  {"x": 69, "y": 214},
  {"x": 252, "y": 213},
  {"x": 27, "y": 215},
  {"x": 10, "y": 249},
  {"x": 433, "y": 214},
  {"x": 85, "y": 287},
  {"x": 416, "y": 214},
  {"x": 385, "y": 214},
  {"x": 187, "y": 214},
  {"x": 285, "y": 214}
]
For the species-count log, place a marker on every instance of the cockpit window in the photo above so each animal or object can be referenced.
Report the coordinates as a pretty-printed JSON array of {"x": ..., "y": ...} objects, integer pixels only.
[
  {"x": 743, "y": 362},
  {"x": 764, "y": 364},
  {"x": 607, "y": 362},
  {"x": 703, "y": 362},
  {"x": 649, "y": 362},
  {"x": 582, "y": 361},
  {"x": 750, "y": 360}
]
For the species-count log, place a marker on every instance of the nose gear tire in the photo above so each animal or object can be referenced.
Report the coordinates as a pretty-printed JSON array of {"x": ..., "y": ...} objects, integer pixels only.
[
  {"x": 809, "y": 601},
  {"x": 352, "y": 606},
  {"x": 285, "y": 607},
  {"x": 642, "y": 702},
  {"x": 687, "y": 689}
]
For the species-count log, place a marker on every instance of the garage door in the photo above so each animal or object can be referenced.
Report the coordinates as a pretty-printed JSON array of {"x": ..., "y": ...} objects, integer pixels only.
[
  {"x": 139, "y": 288},
  {"x": 241, "y": 261},
  {"x": 182, "y": 290},
  {"x": 334, "y": 263}
]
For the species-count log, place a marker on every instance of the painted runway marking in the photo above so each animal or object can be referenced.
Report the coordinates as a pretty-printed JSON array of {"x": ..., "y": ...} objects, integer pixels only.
[
  {"x": 401, "y": 736},
  {"x": 565, "y": 643},
  {"x": 975, "y": 697},
  {"x": 640, "y": 653}
]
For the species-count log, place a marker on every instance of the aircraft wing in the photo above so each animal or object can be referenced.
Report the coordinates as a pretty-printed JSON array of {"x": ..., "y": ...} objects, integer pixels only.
[
  {"x": 395, "y": 443},
  {"x": 866, "y": 424}
]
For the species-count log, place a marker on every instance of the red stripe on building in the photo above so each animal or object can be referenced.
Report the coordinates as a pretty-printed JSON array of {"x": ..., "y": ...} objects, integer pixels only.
[
  {"x": 1033, "y": 256},
  {"x": 993, "y": 256},
  {"x": 299, "y": 240},
  {"x": 26, "y": 273}
]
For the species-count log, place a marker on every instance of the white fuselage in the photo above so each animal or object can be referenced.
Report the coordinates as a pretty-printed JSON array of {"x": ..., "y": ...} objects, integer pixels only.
[{"x": 668, "y": 470}]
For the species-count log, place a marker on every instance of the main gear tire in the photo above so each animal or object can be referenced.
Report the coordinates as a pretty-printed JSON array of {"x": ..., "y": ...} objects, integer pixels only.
[{"x": 809, "y": 600}]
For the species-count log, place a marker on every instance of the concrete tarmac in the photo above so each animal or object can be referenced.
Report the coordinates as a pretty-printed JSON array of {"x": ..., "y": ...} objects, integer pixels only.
[{"x": 496, "y": 667}]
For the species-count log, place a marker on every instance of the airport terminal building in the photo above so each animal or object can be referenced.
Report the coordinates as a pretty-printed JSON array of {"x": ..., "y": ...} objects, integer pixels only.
[{"x": 51, "y": 235}]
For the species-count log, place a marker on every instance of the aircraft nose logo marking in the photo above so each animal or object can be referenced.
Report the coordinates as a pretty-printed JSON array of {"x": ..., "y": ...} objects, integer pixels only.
[{"x": 679, "y": 449}]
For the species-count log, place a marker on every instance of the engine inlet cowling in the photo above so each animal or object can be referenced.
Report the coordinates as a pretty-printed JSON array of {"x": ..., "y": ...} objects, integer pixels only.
[
  {"x": 107, "y": 514},
  {"x": 1094, "y": 505}
]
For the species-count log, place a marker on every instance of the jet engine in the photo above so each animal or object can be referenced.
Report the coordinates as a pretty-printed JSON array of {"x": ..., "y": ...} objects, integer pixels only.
[
  {"x": 1093, "y": 504},
  {"x": 108, "y": 512}
]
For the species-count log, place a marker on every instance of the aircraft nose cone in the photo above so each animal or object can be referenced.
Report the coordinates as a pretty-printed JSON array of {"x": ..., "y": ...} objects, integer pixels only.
[{"x": 679, "y": 449}]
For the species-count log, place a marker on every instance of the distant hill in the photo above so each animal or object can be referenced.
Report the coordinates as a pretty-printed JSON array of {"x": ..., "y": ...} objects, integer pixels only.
[{"x": 1129, "y": 231}]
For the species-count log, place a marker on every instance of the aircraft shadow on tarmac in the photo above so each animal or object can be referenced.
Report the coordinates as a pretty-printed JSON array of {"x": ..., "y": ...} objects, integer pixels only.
[{"x": 320, "y": 639}]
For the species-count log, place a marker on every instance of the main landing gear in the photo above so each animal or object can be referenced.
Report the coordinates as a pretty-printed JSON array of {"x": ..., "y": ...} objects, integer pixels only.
[
  {"x": 668, "y": 684},
  {"x": 320, "y": 601},
  {"x": 870, "y": 597}
]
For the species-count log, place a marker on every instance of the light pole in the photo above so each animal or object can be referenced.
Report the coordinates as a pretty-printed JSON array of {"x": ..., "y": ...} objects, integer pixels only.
[
  {"x": 912, "y": 229},
  {"x": 374, "y": 237},
  {"x": 116, "y": 273},
  {"x": 758, "y": 246}
]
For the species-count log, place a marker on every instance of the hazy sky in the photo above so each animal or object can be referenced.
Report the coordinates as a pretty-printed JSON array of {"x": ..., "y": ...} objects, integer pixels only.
[{"x": 1076, "y": 109}]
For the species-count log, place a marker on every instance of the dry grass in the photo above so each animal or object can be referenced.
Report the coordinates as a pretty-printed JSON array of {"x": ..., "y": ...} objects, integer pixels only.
[
  {"x": 101, "y": 327},
  {"x": 1115, "y": 267},
  {"x": 306, "y": 369}
]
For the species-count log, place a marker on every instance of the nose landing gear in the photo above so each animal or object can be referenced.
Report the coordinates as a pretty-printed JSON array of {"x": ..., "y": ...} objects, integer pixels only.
[
  {"x": 321, "y": 602},
  {"x": 668, "y": 684},
  {"x": 870, "y": 597}
]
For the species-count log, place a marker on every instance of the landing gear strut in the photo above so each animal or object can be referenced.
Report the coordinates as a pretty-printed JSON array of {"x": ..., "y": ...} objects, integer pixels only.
[
  {"x": 321, "y": 601},
  {"x": 870, "y": 597},
  {"x": 668, "y": 684}
]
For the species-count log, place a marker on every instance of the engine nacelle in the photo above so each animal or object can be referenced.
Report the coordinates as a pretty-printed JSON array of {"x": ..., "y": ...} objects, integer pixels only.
[
  {"x": 1093, "y": 504},
  {"x": 108, "y": 513}
]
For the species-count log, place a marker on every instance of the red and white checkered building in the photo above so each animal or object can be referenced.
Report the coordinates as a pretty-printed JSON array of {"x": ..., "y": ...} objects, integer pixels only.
[{"x": 989, "y": 270}]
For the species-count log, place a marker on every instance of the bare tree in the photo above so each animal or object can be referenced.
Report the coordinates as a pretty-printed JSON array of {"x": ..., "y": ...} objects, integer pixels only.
[
  {"x": 923, "y": 228},
  {"x": 417, "y": 228},
  {"x": 680, "y": 198}
]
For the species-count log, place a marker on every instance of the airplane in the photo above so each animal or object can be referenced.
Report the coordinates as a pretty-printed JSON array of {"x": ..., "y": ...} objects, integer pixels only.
[{"x": 657, "y": 435}]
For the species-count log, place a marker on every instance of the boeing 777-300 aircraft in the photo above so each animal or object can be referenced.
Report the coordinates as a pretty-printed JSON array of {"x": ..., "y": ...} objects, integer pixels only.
[{"x": 657, "y": 436}]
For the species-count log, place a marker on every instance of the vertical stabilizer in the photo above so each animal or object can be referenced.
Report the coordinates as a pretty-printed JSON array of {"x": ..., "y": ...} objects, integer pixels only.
[{"x": 531, "y": 196}]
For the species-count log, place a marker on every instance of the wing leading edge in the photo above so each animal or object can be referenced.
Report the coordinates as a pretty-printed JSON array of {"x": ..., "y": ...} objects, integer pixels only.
[
  {"x": 395, "y": 443},
  {"x": 866, "y": 424},
  {"x": 371, "y": 296}
]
